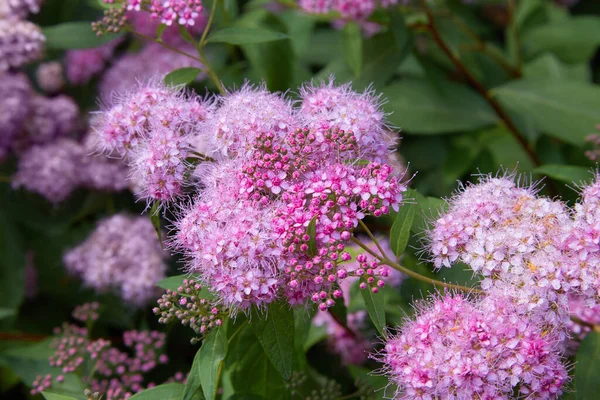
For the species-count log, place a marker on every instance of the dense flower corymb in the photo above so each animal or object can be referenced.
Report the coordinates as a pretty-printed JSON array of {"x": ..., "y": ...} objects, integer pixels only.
[
  {"x": 123, "y": 254},
  {"x": 456, "y": 348},
  {"x": 21, "y": 42}
]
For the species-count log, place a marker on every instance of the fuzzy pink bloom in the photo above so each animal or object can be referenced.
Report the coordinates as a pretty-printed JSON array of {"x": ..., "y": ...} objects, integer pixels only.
[
  {"x": 244, "y": 114},
  {"x": 233, "y": 247},
  {"x": 155, "y": 127},
  {"x": 49, "y": 119},
  {"x": 52, "y": 170},
  {"x": 455, "y": 348},
  {"x": 49, "y": 77},
  {"x": 152, "y": 62},
  {"x": 15, "y": 94},
  {"x": 83, "y": 64},
  {"x": 328, "y": 106},
  {"x": 124, "y": 255},
  {"x": 19, "y": 8},
  {"x": 316, "y": 6},
  {"x": 21, "y": 42}
]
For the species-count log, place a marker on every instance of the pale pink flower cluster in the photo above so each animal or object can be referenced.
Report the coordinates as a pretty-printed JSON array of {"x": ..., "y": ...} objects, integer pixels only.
[
  {"x": 281, "y": 201},
  {"x": 54, "y": 170},
  {"x": 349, "y": 10},
  {"x": 151, "y": 62},
  {"x": 19, "y": 8},
  {"x": 154, "y": 128},
  {"x": 21, "y": 42},
  {"x": 49, "y": 77},
  {"x": 83, "y": 64},
  {"x": 456, "y": 348},
  {"x": 116, "y": 374},
  {"x": 348, "y": 342},
  {"x": 122, "y": 255},
  {"x": 15, "y": 93}
]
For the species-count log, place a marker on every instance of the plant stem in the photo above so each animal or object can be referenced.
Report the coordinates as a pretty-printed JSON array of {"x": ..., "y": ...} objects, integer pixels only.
[
  {"x": 366, "y": 228},
  {"x": 165, "y": 45},
  {"x": 500, "y": 112},
  {"x": 411, "y": 273},
  {"x": 200, "y": 48}
]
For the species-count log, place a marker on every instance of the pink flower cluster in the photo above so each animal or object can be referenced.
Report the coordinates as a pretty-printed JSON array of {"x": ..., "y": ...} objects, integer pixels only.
[
  {"x": 15, "y": 92},
  {"x": 116, "y": 374},
  {"x": 19, "y": 8},
  {"x": 145, "y": 24},
  {"x": 182, "y": 12},
  {"x": 456, "y": 348},
  {"x": 123, "y": 255},
  {"x": 154, "y": 128},
  {"x": 282, "y": 199},
  {"x": 82, "y": 65},
  {"x": 56, "y": 169},
  {"x": 349, "y": 10},
  {"x": 21, "y": 42},
  {"x": 150, "y": 62},
  {"x": 49, "y": 77}
]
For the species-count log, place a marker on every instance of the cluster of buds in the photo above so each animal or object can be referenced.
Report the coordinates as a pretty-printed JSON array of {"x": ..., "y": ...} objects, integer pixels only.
[
  {"x": 113, "y": 21},
  {"x": 189, "y": 305},
  {"x": 87, "y": 312}
]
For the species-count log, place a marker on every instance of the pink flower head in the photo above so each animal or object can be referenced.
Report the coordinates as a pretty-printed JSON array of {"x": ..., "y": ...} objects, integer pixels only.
[
  {"x": 49, "y": 77},
  {"x": 19, "y": 8},
  {"x": 328, "y": 106},
  {"x": 82, "y": 65},
  {"x": 15, "y": 95},
  {"x": 124, "y": 255},
  {"x": 52, "y": 170},
  {"x": 244, "y": 114},
  {"x": 457, "y": 348},
  {"x": 21, "y": 42}
]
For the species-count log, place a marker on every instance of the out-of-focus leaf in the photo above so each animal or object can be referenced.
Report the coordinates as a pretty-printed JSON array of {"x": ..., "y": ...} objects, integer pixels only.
[
  {"x": 12, "y": 263},
  {"x": 182, "y": 76},
  {"x": 74, "y": 35},
  {"x": 352, "y": 44},
  {"x": 549, "y": 67},
  {"x": 275, "y": 332},
  {"x": 565, "y": 173},
  {"x": 167, "y": 391},
  {"x": 564, "y": 110},
  {"x": 419, "y": 108},
  {"x": 7, "y": 312},
  {"x": 587, "y": 385},
  {"x": 573, "y": 39},
  {"x": 245, "y": 35}
]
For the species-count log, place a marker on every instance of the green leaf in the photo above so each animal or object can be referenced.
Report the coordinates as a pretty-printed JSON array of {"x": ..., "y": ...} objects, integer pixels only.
[
  {"x": 172, "y": 282},
  {"x": 315, "y": 335},
  {"x": 339, "y": 312},
  {"x": 565, "y": 173},
  {"x": 565, "y": 38},
  {"x": 275, "y": 332},
  {"x": 54, "y": 395},
  {"x": 400, "y": 231},
  {"x": 402, "y": 34},
  {"x": 155, "y": 219},
  {"x": 549, "y": 67},
  {"x": 375, "y": 304},
  {"x": 159, "y": 31},
  {"x": 245, "y": 35},
  {"x": 12, "y": 264},
  {"x": 167, "y": 391},
  {"x": 418, "y": 108},
  {"x": 7, "y": 312},
  {"x": 587, "y": 384},
  {"x": 210, "y": 360},
  {"x": 564, "y": 110},
  {"x": 311, "y": 230},
  {"x": 182, "y": 76},
  {"x": 75, "y": 35},
  {"x": 352, "y": 44}
]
